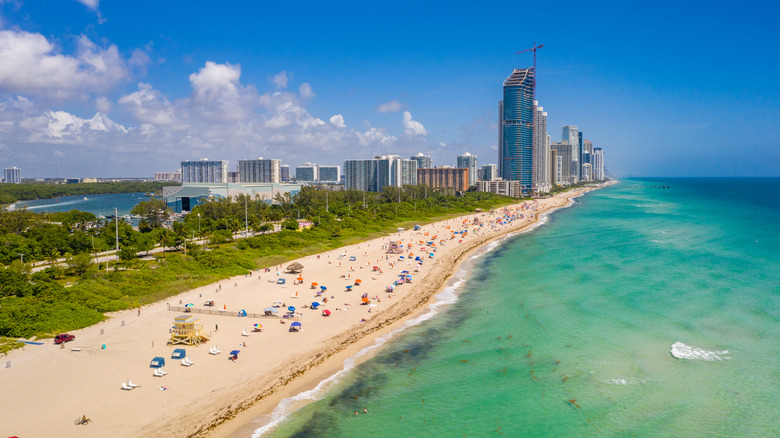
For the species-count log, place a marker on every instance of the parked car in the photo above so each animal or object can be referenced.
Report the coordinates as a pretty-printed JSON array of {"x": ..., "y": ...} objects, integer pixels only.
[{"x": 62, "y": 338}]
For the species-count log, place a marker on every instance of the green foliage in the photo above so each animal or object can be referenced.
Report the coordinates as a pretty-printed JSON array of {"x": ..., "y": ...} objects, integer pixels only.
[
  {"x": 290, "y": 224},
  {"x": 46, "y": 190},
  {"x": 155, "y": 212}
]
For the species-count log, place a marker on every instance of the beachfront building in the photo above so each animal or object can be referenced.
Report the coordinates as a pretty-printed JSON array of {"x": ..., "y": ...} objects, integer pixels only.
[
  {"x": 382, "y": 171},
  {"x": 598, "y": 164},
  {"x": 285, "y": 173},
  {"x": 260, "y": 171},
  {"x": 516, "y": 128},
  {"x": 488, "y": 172},
  {"x": 587, "y": 172},
  {"x": 570, "y": 135},
  {"x": 185, "y": 197},
  {"x": 554, "y": 169},
  {"x": 12, "y": 175},
  {"x": 360, "y": 175},
  {"x": 500, "y": 187},
  {"x": 423, "y": 161},
  {"x": 468, "y": 161},
  {"x": 564, "y": 151},
  {"x": 445, "y": 177},
  {"x": 541, "y": 172},
  {"x": 204, "y": 171}
]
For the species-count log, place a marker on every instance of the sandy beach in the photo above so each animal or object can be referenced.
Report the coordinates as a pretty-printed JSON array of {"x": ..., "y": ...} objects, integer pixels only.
[{"x": 44, "y": 388}]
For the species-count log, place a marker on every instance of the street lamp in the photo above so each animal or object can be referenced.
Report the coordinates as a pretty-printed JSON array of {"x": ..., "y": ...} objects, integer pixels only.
[
  {"x": 198, "y": 224},
  {"x": 21, "y": 257}
]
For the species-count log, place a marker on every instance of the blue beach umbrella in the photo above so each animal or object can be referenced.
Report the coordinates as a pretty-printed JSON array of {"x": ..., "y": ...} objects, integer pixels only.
[
  {"x": 189, "y": 305},
  {"x": 291, "y": 309},
  {"x": 235, "y": 352},
  {"x": 314, "y": 305},
  {"x": 323, "y": 288},
  {"x": 295, "y": 324}
]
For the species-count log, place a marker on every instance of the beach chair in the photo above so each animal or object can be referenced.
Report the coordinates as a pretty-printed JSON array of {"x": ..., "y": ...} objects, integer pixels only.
[
  {"x": 157, "y": 373},
  {"x": 125, "y": 387},
  {"x": 244, "y": 333},
  {"x": 131, "y": 384},
  {"x": 187, "y": 362}
]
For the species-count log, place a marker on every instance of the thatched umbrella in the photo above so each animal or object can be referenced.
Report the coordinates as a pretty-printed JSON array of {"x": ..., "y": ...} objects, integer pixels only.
[{"x": 295, "y": 267}]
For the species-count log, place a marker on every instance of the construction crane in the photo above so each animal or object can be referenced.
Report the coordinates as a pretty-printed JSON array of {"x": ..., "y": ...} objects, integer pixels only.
[{"x": 533, "y": 119}]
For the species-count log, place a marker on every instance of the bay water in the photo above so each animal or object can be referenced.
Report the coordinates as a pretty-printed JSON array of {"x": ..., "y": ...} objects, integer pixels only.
[
  {"x": 639, "y": 311},
  {"x": 99, "y": 205}
]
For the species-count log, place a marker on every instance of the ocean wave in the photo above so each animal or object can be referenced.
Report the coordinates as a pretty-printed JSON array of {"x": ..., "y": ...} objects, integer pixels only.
[
  {"x": 682, "y": 351},
  {"x": 624, "y": 381}
]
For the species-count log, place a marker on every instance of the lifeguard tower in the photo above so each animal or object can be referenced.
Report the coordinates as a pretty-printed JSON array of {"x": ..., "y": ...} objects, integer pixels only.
[{"x": 187, "y": 331}]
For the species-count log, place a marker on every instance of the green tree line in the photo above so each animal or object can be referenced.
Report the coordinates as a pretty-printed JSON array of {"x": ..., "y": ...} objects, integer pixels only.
[{"x": 10, "y": 193}]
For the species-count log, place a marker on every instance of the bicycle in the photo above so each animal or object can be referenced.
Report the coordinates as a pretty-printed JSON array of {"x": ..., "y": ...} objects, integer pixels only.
[{"x": 82, "y": 420}]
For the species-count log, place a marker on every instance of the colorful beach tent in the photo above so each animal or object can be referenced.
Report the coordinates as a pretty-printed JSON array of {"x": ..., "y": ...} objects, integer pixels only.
[{"x": 242, "y": 312}]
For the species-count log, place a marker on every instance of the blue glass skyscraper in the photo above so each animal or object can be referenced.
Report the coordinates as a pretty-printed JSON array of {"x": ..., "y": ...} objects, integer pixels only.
[{"x": 516, "y": 128}]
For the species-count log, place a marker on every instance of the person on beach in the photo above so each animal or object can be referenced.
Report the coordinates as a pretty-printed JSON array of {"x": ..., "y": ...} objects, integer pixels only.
[
  {"x": 365, "y": 411},
  {"x": 216, "y": 327}
]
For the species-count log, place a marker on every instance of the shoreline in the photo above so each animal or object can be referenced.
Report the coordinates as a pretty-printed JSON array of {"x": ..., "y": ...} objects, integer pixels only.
[
  {"x": 245, "y": 423},
  {"x": 217, "y": 397}
]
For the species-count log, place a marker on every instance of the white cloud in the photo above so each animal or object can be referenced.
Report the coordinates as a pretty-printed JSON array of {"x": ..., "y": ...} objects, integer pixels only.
[
  {"x": 147, "y": 105},
  {"x": 30, "y": 64},
  {"x": 392, "y": 106},
  {"x": 338, "y": 121},
  {"x": 306, "y": 91},
  {"x": 280, "y": 80},
  {"x": 412, "y": 127},
  {"x": 442, "y": 144},
  {"x": 91, "y": 4},
  {"x": 103, "y": 105},
  {"x": 218, "y": 93}
]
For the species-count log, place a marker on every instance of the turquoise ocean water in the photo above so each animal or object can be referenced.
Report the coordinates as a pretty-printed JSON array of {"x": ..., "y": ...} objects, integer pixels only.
[{"x": 567, "y": 330}]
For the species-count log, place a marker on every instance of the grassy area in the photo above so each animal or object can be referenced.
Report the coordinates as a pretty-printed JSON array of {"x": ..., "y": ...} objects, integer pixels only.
[
  {"x": 8, "y": 344},
  {"x": 42, "y": 306}
]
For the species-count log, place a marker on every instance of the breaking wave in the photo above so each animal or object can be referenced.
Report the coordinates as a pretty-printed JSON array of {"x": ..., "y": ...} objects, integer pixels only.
[{"x": 682, "y": 351}]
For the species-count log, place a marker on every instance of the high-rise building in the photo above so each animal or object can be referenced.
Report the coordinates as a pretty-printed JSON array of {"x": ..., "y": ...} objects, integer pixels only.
[
  {"x": 423, "y": 161},
  {"x": 204, "y": 171},
  {"x": 587, "y": 172},
  {"x": 541, "y": 168},
  {"x": 468, "y": 161},
  {"x": 308, "y": 172},
  {"x": 12, "y": 175},
  {"x": 360, "y": 175},
  {"x": 168, "y": 176},
  {"x": 564, "y": 152},
  {"x": 449, "y": 177},
  {"x": 285, "y": 172},
  {"x": 516, "y": 126},
  {"x": 488, "y": 172},
  {"x": 571, "y": 135},
  {"x": 598, "y": 164},
  {"x": 553, "y": 166},
  {"x": 330, "y": 174},
  {"x": 382, "y": 171},
  {"x": 260, "y": 170}
]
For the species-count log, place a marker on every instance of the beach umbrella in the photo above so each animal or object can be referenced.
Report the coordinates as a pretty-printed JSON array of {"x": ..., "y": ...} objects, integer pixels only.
[
  {"x": 365, "y": 300},
  {"x": 295, "y": 324},
  {"x": 235, "y": 352},
  {"x": 314, "y": 305},
  {"x": 323, "y": 288},
  {"x": 299, "y": 278},
  {"x": 271, "y": 309},
  {"x": 358, "y": 281},
  {"x": 404, "y": 272},
  {"x": 257, "y": 326},
  {"x": 295, "y": 267},
  {"x": 364, "y": 295},
  {"x": 349, "y": 288},
  {"x": 315, "y": 284},
  {"x": 291, "y": 308},
  {"x": 188, "y": 305},
  {"x": 326, "y": 312}
]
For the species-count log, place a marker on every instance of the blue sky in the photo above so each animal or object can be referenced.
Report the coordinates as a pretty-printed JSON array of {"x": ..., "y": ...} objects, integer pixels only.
[{"x": 91, "y": 88}]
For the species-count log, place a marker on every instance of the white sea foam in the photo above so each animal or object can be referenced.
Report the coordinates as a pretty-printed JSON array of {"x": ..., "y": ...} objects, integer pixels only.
[
  {"x": 624, "y": 381},
  {"x": 682, "y": 351}
]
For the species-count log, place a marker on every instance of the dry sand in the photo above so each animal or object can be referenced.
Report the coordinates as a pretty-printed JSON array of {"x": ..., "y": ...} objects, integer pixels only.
[{"x": 47, "y": 387}]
